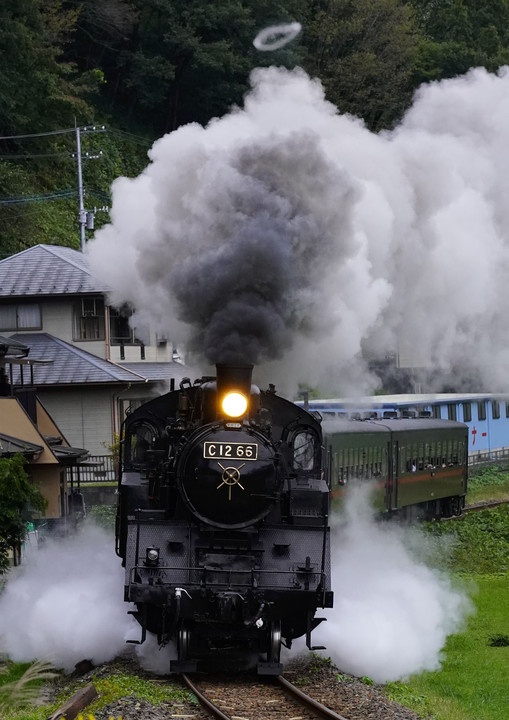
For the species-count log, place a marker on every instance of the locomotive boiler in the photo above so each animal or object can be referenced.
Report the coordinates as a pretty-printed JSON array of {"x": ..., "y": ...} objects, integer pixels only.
[{"x": 222, "y": 522}]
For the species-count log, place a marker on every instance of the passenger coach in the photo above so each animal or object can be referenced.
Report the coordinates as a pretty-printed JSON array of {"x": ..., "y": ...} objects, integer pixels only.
[
  {"x": 485, "y": 415},
  {"x": 417, "y": 468}
]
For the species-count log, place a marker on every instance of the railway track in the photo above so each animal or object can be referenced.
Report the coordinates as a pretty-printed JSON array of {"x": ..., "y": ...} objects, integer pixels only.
[
  {"x": 475, "y": 507},
  {"x": 484, "y": 505},
  {"x": 257, "y": 699}
]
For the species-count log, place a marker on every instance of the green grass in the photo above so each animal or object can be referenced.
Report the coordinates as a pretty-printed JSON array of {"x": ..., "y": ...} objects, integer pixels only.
[
  {"x": 488, "y": 483},
  {"x": 109, "y": 689},
  {"x": 20, "y": 684},
  {"x": 473, "y": 683},
  {"x": 476, "y": 544}
]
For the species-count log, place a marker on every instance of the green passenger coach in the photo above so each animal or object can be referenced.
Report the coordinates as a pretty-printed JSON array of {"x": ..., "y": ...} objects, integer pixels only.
[{"x": 416, "y": 468}]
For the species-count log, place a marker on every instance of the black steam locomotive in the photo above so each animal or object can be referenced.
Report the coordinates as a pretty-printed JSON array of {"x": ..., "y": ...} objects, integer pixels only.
[{"x": 222, "y": 522}]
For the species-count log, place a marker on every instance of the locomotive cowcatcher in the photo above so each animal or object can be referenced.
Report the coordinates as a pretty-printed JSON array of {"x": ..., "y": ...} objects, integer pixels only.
[{"x": 222, "y": 522}]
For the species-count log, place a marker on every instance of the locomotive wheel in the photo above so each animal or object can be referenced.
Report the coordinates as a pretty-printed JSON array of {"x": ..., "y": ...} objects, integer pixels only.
[
  {"x": 274, "y": 641},
  {"x": 183, "y": 642}
]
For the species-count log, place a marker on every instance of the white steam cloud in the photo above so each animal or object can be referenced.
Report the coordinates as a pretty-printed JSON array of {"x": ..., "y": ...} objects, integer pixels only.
[
  {"x": 289, "y": 235},
  {"x": 66, "y": 604},
  {"x": 391, "y": 617},
  {"x": 392, "y": 613}
]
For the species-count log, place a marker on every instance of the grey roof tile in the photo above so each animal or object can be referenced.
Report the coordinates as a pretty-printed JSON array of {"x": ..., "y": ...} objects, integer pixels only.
[
  {"x": 10, "y": 445},
  {"x": 70, "y": 366},
  {"x": 161, "y": 371},
  {"x": 47, "y": 270}
]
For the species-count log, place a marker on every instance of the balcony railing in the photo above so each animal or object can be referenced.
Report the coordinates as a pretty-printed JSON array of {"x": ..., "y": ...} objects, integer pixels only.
[{"x": 98, "y": 469}]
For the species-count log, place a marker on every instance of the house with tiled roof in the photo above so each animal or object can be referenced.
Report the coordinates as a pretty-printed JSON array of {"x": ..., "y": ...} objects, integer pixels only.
[
  {"x": 27, "y": 429},
  {"x": 92, "y": 366}
]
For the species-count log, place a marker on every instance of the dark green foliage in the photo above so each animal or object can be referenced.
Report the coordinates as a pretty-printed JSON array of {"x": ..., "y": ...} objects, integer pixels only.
[
  {"x": 170, "y": 63},
  {"x": 499, "y": 640},
  {"x": 103, "y": 515},
  {"x": 364, "y": 54},
  {"x": 145, "y": 67},
  {"x": 459, "y": 34},
  {"x": 485, "y": 476},
  {"x": 36, "y": 90},
  {"x": 475, "y": 543},
  {"x": 18, "y": 499}
]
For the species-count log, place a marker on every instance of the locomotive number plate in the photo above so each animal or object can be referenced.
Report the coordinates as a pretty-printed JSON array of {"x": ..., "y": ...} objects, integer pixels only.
[{"x": 233, "y": 451}]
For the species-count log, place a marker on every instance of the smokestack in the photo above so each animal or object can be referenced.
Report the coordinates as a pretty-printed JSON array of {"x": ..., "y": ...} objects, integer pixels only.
[{"x": 236, "y": 377}]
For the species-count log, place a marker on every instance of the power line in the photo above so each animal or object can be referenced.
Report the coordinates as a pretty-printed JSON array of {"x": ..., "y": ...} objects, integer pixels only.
[
  {"x": 39, "y": 197},
  {"x": 27, "y": 156},
  {"x": 85, "y": 128}
]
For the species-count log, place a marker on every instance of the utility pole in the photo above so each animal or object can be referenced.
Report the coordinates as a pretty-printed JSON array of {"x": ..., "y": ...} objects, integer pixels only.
[{"x": 85, "y": 218}]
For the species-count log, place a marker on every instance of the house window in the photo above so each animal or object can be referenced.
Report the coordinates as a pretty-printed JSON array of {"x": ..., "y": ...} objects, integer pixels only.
[
  {"x": 120, "y": 331},
  {"x": 467, "y": 412},
  {"x": 25, "y": 316},
  {"x": 481, "y": 410},
  {"x": 89, "y": 319}
]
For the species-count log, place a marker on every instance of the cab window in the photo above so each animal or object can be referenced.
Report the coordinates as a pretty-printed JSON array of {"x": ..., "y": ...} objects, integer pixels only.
[{"x": 305, "y": 450}]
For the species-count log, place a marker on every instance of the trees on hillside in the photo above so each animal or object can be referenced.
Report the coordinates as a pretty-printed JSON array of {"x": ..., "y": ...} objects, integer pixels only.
[
  {"x": 363, "y": 52},
  {"x": 148, "y": 66},
  {"x": 37, "y": 90},
  {"x": 170, "y": 63},
  {"x": 459, "y": 34}
]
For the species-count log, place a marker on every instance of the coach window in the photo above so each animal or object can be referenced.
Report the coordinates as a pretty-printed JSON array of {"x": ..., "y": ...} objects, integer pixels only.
[
  {"x": 403, "y": 464},
  {"x": 495, "y": 409},
  {"x": 467, "y": 412},
  {"x": 436, "y": 411},
  {"x": 451, "y": 411},
  {"x": 433, "y": 454},
  {"x": 455, "y": 453},
  {"x": 481, "y": 410},
  {"x": 304, "y": 450}
]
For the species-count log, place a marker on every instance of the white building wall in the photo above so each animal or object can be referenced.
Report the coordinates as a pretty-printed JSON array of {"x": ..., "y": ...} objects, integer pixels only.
[
  {"x": 57, "y": 319},
  {"x": 84, "y": 416}
]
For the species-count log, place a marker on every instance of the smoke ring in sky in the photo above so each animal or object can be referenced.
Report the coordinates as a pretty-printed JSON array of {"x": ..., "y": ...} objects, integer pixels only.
[{"x": 276, "y": 36}]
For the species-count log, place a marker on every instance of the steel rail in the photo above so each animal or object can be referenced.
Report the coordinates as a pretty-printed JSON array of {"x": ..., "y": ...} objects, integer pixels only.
[
  {"x": 324, "y": 711},
  {"x": 204, "y": 699}
]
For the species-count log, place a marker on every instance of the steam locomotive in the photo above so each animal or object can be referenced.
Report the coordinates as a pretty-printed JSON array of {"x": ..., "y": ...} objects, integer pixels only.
[{"x": 222, "y": 522}]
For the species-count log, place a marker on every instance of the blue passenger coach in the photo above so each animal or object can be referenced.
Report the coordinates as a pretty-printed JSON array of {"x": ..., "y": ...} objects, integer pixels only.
[{"x": 486, "y": 415}]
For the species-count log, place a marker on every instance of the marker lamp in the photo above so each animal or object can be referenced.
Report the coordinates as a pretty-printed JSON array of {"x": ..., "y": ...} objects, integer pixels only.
[
  {"x": 152, "y": 556},
  {"x": 234, "y": 404}
]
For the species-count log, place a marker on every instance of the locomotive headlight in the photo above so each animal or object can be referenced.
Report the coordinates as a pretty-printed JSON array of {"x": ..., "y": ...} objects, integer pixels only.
[
  {"x": 234, "y": 404},
  {"x": 152, "y": 557}
]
